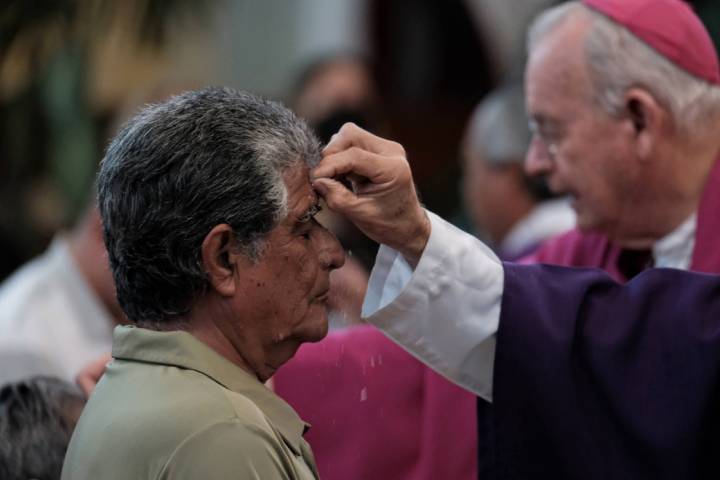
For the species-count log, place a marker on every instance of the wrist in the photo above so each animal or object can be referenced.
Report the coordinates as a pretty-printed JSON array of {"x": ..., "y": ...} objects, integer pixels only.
[{"x": 414, "y": 247}]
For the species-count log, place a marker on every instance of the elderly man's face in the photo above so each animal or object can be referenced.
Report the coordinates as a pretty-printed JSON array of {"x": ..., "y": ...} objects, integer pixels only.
[
  {"x": 582, "y": 150},
  {"x": 287, "y": 289},
  {"x": 493, "y": 196}
]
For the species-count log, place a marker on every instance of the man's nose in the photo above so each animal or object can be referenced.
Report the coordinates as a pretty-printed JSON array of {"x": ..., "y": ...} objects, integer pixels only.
[
  {"x": 332, "y": 254},
  {"x": 538, "y": 160}
]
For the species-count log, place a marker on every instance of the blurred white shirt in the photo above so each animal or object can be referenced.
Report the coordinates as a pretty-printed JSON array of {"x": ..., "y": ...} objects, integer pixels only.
[
  {"x": 51, "y": 322},
  {"x": 547, "y": 219}
]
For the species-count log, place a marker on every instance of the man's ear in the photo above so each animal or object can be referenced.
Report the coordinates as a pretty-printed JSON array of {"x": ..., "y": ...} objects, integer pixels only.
[
  {"x": 220, "y": 256},
  {"x": 649, "y": 120}
]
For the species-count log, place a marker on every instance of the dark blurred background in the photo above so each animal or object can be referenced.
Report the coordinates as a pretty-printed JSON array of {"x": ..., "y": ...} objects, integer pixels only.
[{"x": 72, "y": 70}]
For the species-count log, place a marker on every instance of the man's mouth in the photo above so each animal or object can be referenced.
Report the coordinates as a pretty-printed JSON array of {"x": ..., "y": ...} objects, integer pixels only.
[{"x": 322, "y": 297}]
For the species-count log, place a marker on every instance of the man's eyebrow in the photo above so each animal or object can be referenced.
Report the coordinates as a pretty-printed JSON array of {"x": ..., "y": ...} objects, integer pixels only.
[{"x": 309, "y": 213}]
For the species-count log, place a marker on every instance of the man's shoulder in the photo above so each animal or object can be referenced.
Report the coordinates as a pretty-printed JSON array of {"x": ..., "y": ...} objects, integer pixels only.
[
  {"x": 230, "y": 448},
  {"x": 163, "y": 393},
  {"x": 210, "y": 449},
  {"x": 155, "y": 411},
  {"x": 210, "y": 401}
]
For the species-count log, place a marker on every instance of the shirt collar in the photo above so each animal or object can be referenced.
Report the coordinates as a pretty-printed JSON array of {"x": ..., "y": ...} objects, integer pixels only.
[
  {"x": 181, "y": 349},
  {"x": 675, "y": 249}
]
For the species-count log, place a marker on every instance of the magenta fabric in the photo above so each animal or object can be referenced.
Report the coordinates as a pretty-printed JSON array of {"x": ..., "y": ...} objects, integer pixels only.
[
  {"x": 706, "y": 256},
  {"x": 578, "y": 249},
  {"x": 377, "y": 413},
  {"x": 671, "y": 28}
]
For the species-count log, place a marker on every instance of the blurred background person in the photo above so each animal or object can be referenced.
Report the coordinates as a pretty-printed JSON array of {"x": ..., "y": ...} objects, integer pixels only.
[
  {"x": 67, "y": 71},
  {"x": 58, "y": 311},
  {"x": 66, "y": 67},
  {"x": 338, "y": 88},
  {"x": 37, "y": 419},
  {"x": 511, "y": 210}
]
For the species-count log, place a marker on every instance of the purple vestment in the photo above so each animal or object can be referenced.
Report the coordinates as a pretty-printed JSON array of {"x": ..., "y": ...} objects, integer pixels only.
[{"x": 596, "y": 380}]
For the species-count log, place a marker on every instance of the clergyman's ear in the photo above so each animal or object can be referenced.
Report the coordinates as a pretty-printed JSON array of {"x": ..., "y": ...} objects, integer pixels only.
[
  {"x": 219, "y": 257},
  {"x": 648, "y": 119}
]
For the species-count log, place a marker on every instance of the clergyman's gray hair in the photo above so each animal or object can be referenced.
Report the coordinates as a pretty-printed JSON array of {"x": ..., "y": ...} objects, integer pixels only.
[
  {"x": 37, "y": 419},
  {"x": 618, "y": 60},
  {"x": 178, "y": 169}
]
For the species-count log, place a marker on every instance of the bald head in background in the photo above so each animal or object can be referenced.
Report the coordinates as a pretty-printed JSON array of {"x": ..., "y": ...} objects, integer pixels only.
[{"x": 513, "y": 211}]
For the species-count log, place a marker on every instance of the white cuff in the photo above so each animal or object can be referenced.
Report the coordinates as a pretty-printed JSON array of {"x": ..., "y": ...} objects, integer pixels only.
[{"x": 446, "y": 312}]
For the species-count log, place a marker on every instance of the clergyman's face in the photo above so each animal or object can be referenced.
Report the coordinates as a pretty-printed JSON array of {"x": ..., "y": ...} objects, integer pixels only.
[
  {"x": 288, "y": 287},
  {"x": 583, "y": 151}
]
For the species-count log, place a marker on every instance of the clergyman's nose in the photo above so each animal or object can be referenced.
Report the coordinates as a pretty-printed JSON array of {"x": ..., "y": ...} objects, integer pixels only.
[{"x": 537, "y": 160}]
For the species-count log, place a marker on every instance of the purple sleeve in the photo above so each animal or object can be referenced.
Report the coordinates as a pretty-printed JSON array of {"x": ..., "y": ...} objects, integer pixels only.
[{"x": 594, "y": 379}]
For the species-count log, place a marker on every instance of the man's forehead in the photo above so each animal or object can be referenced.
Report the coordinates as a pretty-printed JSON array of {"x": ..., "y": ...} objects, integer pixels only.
[
  {"x": 561, "y": 49},
  {"x": 301, "y": 195},
  {"x": 556, "y": 73}
]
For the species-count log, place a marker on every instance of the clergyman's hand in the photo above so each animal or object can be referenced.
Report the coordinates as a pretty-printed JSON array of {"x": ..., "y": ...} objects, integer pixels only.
[{"x": 368, "y": 179}]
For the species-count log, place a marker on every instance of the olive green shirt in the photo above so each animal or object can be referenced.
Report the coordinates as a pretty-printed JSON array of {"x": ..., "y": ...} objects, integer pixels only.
[{"x": 170, "y": 407}]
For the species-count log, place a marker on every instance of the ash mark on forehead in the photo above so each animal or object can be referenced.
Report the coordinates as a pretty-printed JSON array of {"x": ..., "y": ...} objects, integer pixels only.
[{"x": 310, "y": 212}]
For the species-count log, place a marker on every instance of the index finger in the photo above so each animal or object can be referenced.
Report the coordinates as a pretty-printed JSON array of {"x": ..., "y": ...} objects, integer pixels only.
[
  {"x": 350, "y": 135},
  {"x": 354, "y": 160}
]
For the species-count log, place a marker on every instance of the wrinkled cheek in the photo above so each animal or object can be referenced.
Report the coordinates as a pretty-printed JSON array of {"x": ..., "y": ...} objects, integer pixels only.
[
  {"x": 307, "y": 276},
  {"x": 296, "y": 272}
]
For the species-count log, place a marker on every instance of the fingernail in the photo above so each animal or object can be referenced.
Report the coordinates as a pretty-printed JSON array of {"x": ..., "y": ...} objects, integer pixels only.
[{"x": 332, "y": 139}]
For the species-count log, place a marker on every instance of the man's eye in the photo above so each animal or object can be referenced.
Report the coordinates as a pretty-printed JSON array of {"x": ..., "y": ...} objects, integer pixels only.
[{"x": 551, "y": 134}]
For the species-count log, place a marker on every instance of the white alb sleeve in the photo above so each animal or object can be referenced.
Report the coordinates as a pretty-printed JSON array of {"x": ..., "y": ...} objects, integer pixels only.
[{"x": 446, "y": 312}]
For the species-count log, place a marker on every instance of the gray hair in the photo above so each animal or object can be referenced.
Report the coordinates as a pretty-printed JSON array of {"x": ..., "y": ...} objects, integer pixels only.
[
  {"x": 178, "y": 169},
  {"x": 618, "y": 60},
  {"x": 498, "y": 128},
  {"x": 37, "y": 419}
]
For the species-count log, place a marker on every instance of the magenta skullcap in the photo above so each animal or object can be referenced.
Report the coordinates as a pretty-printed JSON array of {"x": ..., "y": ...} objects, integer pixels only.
[{"x": 671, "y": 28}]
